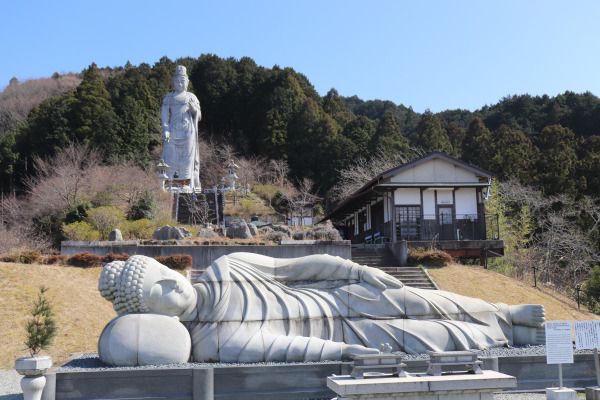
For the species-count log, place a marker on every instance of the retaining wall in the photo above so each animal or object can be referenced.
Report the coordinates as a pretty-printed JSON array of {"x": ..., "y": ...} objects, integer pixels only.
[
  {"x": 274, "y": 381},
  {"x": 204, "y": 255}
]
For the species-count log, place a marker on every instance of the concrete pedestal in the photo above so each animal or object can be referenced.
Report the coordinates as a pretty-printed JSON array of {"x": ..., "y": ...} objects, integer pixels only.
[
  {"x": 592, "y": 393},
  {"x": 446, "y": 387},
  {"x": 561, "y": 394}
]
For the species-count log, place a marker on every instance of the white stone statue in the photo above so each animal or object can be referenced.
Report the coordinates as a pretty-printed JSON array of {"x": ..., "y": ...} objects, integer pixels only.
[
  {"x": 180, "y": 114},
  {"x": 251, "y": 308}
]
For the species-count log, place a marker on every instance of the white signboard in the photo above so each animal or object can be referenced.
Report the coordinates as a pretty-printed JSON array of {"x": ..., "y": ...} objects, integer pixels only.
[
  {"x": 559, "y": 346},
  {"x": 587, "y": 334}
]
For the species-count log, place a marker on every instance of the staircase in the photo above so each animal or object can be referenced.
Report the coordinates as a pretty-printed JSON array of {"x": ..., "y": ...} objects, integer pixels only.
[{"x": 379, "y": 256}]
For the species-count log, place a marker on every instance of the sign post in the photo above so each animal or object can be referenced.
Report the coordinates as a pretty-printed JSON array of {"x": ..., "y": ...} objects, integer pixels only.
[
  {"x": 587, "y": 336},
  {"x": 559, "y": 346}
]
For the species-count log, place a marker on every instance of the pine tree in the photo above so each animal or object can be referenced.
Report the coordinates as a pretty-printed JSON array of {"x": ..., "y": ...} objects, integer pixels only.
[
  {"x": 431, "y": 135},
  {"x": 41, "y": 327},
  {"x": 388, "y": 136},
  {"x": 478, "y": 145},
  {"x": 515, "y": 154},
  {"x": 558, "y": 160}
]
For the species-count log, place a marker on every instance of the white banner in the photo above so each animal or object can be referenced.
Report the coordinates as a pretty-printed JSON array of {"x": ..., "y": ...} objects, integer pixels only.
[
  {"x": 559, "y": 346},
  {"x": 587, "y": 334}
]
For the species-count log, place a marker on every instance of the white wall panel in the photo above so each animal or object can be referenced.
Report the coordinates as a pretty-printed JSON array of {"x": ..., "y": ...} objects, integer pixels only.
[
  {"x": 466, "y": 202},
  {"x": 429, "y": 204},
  {"x": 407, "y": 196}
]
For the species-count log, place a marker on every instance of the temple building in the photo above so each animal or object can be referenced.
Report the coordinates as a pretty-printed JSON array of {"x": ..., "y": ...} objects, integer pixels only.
[{"x": 433, "y": 200}]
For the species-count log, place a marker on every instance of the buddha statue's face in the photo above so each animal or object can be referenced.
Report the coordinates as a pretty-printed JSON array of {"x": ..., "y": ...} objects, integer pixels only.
[
  {"x": 180, "y": 83},
  {"x": 167, "y": 292}
]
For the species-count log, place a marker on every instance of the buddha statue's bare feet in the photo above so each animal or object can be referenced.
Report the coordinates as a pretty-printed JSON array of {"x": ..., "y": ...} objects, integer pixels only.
[
  {"x": 528, "y": 315},
  {"x": 524, "y": 335}
]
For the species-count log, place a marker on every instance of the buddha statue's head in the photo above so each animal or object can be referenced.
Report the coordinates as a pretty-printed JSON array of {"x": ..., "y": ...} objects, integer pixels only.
[
  {"x": 143, "y": 285},
  {"x": 180, "y": 79}
]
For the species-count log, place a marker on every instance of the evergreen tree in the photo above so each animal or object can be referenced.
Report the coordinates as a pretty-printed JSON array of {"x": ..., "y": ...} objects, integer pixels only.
[
  {"x": 336, "y": 108},
  {"x": 431, "y": 135},
  {"x": 456, "y": 135},
  {"x": 515, "y": 154},
  {"x": 388, "y": 136},
  {"x": 93, "y": 118},
  {"x": 360, "y": 132},
  {"x": 589, "y": 166},
  {"x": 478, "y": 145},
  {"x": 558, "y": 160}
]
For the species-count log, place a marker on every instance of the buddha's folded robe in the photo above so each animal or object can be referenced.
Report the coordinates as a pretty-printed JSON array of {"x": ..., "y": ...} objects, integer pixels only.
[{"x": 253, "y": 308}]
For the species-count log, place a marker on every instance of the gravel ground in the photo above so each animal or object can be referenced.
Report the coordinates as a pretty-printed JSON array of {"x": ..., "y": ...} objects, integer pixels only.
[{"x": 9, "y": 385}]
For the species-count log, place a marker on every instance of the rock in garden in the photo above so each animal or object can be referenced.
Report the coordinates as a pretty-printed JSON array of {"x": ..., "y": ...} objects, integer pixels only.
[
  {"x": 238, "y": 229},
  {"x": 253, "y": 229},
  {"x": 115, "y": 235},
  {"x": 207, "y": 233},
  {"x": 169, "y": 232},
  {"x": 283, "y": 228}
]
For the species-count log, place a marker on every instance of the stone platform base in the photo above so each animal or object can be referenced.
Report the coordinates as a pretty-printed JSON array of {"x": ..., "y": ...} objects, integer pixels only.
[
  {"x": 561, "y": 394},
  {"x": 446, "y": 387},
  {"x": 592, "y": 393}
]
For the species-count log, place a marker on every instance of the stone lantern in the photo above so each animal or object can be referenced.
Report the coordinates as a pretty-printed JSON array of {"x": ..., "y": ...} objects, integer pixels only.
[{"x": 162, "y": 167}]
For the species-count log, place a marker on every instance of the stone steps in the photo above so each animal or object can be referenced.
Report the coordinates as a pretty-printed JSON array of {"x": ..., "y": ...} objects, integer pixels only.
[{"x": 382, "y": 259}]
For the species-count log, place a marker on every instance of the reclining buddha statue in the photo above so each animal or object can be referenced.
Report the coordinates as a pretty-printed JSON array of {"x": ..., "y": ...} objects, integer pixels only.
[{"x": 251, "y": 308}]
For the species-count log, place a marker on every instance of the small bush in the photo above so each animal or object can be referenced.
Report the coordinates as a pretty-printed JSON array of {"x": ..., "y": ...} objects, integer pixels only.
[
  {"x": 80, "y": 230},
  {"x": 54, "y": 259},
  {"x": 429, "y": 257},
  {"x": 110, "y": 257},
  {"x": 23, "y": 256},
  {"x": 104, "y": 219},
  {"x": 176, "y": 261},
  {"x": 144, "y": 207},
  {"x": 138, "y": 229},
  {"x": 85, "y": 260}
]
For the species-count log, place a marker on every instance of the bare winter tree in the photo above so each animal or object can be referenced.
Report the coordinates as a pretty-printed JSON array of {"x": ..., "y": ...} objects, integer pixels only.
[
  {"x": 279, "y": 170},
  {"x": 363, "y": 170},
  {"x": 59, "y": 182}
]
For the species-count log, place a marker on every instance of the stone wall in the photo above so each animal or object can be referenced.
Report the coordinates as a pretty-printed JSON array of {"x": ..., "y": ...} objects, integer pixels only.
[{"x": 202, "y": 256}]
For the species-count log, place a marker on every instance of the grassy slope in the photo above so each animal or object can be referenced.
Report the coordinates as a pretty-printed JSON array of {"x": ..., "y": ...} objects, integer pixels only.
[
  {"x": 498, "y": 288},
  {"x": 80, "y": 311}
]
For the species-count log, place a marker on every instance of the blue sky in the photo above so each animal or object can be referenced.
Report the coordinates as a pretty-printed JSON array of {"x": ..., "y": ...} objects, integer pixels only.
[{"x": 424, "y": 54}]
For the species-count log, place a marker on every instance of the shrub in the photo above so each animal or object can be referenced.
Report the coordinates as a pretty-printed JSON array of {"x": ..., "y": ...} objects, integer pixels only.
[
  {"x": 54, "y": 259},
  {"x": 80, "y": 230},
  {"x": 23, "y": 256},
  {"x": 430, "y": 257},
  {"x": 138, "y": 229},
  {"x": 77, "y": 213},
  {"x": 176, "y": 261},
  {"x": 144, "y": 207},
  {"x": 110, "y": 257},
  {"x": 104, "y": 219},
  {"x": 85, "y": 260},
  {"x": 592, "y": 286},
  {"x": 41, "y": 327}
]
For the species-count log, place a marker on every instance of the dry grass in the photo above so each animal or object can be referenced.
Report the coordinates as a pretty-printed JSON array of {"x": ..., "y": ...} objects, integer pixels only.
[
  {"x": 81, "y": 313},
  {"x": 498, "y": 288}
]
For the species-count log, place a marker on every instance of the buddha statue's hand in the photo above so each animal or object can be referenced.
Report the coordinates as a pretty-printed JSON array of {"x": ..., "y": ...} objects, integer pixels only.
[
  {"x": 378, "y": 278},
  {"x": 349, "y": 350}
]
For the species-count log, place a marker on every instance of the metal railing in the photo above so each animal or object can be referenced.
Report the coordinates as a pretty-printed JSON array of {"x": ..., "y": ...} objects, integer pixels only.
[{"x": 449, "y": 227}]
